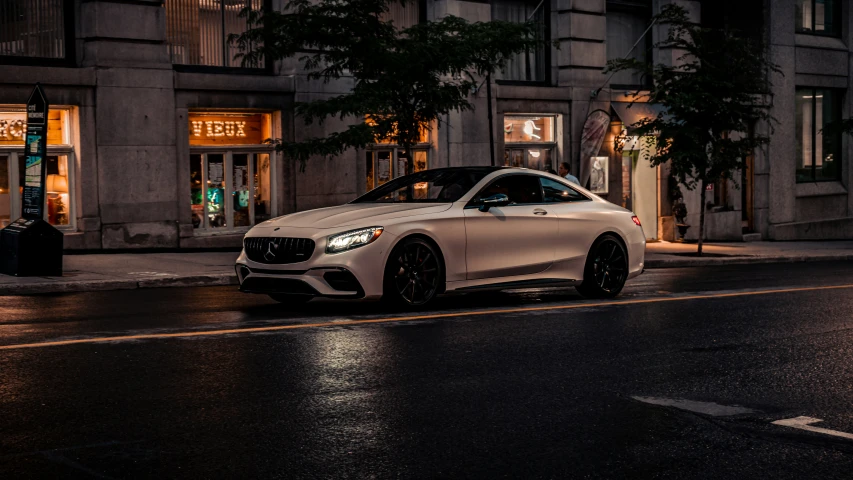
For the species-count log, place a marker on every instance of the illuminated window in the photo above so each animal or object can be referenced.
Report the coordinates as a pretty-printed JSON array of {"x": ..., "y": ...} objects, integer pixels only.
[
  {"x": 386, "y": 160},
  {"x": 819, "y": 17},
  {"x": 383, "y": 164},
  {"x": 530, "y": 141},
  {"x": 230, "y": 170},
  {"x": 59, "y": 164},
  {"x": 819, "y": 153},
  {"x": 198, "y": 30}
]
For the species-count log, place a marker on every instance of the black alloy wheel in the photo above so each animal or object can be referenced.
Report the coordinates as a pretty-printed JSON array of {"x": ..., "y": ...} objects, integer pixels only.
[
  {"x": 413, "y": 274},
  {"x": 606, "y": 269}
]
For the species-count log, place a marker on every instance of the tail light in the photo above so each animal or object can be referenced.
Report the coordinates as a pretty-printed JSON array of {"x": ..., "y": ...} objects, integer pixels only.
[{"x": 636, "y": 220}]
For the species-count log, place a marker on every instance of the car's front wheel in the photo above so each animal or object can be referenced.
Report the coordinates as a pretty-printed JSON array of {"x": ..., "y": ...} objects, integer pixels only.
[
  {"x": 413, "y": 273},
  {"x": 606, "y": 269},
  {"x": 290, "y": 299}
]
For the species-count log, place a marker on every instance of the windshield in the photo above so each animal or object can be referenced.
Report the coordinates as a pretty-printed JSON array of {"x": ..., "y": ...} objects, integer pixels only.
[{"x": 429, "y": 186}]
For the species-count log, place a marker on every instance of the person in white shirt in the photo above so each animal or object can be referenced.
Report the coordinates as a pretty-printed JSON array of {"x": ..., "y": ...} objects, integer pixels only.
[{"x": 564, "y": 172}]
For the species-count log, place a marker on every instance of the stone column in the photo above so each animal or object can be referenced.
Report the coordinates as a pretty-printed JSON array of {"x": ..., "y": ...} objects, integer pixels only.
[
  {"x": 135, "y": 121},
  {"x": 778, "y": 168},
  {"x": 464, "y": 139},
  {"x": 581, "y": 27}
]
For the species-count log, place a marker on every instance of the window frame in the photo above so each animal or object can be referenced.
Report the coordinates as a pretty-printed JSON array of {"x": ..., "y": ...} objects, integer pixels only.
[
  {"x": 546, "y": 60},
  {"x": 228, "y": 152},
  {"x": 529, "y": 145},
  {"x": 268, "y": 67},
  {"x": 840, "y": 102},
  {"x": 583, "y": 198},
  {"x": 395, "y": 151},
  {"x": 836, "y": 20},
  {"x": 70, "y": 40},
  {"x": 475, "y": 200},
  {"x": 633, "y": 7},
  {"x": 65, "y": 149}
]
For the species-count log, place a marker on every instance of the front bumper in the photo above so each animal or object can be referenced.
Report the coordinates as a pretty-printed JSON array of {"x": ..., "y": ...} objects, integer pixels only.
[
  {"x": 356, "y": 273},
  {"x": 317, "y": 282}
]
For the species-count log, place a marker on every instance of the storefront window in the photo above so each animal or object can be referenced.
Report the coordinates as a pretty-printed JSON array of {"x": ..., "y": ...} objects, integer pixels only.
[
  {"x": 530, "y": 141},
  {"x": 230, "y": 170},
  {"x": 59, "y": 167},
  {"x": 819, "y": 17},
  {"x": 384, "y": 164},
  {"x": 818, "y": 153}
]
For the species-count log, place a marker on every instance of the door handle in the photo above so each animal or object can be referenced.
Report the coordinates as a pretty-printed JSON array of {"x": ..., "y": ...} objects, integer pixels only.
[{"x": 539, "y": 211}]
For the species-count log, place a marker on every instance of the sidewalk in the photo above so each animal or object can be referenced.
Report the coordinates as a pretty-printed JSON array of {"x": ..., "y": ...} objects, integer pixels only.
[
  {"x": 150, "y": 270},
  {"x": 122, "y": 271},
  {"x": 671, "y": 255}
]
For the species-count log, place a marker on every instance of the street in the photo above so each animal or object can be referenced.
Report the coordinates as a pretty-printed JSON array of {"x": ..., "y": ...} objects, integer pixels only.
[{"x": 681, "y": 376}]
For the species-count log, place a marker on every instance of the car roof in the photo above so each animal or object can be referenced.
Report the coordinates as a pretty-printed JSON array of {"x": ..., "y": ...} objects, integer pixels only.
[{"x": 487, "y": 168}]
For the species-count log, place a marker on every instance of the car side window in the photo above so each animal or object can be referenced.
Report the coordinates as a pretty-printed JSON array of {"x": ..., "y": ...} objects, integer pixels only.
[
  {"x": 520, "y": 189},
  {"x": 556, "y": 192}
]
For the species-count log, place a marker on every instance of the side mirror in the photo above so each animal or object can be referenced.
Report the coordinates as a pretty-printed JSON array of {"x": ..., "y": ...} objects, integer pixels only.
[{"x": 497, "y": 200}]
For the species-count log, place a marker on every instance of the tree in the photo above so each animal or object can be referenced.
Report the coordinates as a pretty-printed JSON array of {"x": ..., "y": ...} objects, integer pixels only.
[
  {"x": 713, "y": 94},
  {"x": 404, "y": 80}
]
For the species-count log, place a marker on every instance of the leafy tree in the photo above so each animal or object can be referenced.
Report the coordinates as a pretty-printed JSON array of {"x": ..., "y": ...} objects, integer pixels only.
[
  {"x": 712, "y": 95},
  {"x": 404, "y": 79}
]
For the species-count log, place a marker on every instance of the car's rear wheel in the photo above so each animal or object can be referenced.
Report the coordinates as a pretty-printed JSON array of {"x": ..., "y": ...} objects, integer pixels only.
[
  {"x": 290, "y": 299},
  {"x": 413, "y": 273},
  {"x": 606, "y": 269}
]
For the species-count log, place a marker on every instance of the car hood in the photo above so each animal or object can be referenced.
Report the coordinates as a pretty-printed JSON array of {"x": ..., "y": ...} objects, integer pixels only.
[{"x": 355, "y": 214}]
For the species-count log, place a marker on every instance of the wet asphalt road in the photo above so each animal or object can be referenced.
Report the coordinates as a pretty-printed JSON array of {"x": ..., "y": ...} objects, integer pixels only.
[{"x": 543, "y": 387}]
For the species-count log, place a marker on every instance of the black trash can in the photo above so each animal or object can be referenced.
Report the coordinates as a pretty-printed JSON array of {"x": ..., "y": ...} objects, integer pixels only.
[{"x": 31, "y": 247}]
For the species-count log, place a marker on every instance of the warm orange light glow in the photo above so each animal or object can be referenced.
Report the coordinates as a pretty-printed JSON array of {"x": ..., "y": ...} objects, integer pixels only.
[{"x": 424, "y": 133}]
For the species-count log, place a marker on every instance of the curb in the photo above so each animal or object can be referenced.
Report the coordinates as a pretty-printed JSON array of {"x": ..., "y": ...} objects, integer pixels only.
[
  {"x": 217, "y": 279},
  {"x": 744, "y": 260},
  {"x": 220, "y": 279}
]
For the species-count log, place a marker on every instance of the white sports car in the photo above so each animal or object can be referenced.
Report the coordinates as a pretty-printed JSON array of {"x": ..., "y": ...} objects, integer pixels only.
[{"x": 447, "y": 230}]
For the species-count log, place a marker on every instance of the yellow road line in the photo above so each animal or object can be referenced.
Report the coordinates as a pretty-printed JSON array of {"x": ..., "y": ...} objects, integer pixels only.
[{"x": 205, "y": 333}]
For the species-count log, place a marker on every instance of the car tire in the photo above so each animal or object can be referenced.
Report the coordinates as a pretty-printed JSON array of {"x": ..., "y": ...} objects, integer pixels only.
[
  {"x": 606, "y": 268},
  {"x": 413, "y": 274},
  {"x": 290, "y": 299}
]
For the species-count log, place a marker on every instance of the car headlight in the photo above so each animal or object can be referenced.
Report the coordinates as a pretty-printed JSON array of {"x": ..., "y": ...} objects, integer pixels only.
[{"x": 352, "y": 239}]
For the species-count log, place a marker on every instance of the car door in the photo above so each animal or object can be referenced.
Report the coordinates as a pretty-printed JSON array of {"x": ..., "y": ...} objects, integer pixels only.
[
  {"x": 515, "y": 239},
  {"x": 577, "y": 224}
]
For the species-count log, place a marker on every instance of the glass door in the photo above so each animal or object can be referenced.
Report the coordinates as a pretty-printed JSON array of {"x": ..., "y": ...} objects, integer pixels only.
[
  {"x": 215, "y": 197},
  {"x": 230, "y": 190},
  {"x": 534, "y": 157}
]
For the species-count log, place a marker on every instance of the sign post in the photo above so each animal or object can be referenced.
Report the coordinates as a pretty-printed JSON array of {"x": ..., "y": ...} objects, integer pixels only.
[
  {"x": 30, "y": 246},
  {"x": 36, "y": 150}
]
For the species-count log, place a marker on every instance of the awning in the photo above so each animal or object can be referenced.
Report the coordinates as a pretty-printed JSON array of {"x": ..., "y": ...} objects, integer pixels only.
[{"x": 631, "y": 113}]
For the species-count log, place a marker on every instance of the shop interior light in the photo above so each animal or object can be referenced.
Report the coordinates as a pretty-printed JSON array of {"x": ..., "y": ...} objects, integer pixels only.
[{"x": 529, "y": 126}]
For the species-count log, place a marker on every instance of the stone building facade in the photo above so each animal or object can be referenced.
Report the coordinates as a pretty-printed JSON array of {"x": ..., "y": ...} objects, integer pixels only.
[{"x": 158, "y": 134}]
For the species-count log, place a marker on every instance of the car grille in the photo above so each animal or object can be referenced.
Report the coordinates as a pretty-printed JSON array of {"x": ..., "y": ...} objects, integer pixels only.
[{"x": 278, "y": 250}]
